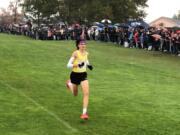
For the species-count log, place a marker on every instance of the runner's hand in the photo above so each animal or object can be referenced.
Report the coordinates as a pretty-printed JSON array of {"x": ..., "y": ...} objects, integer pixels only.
[
  {"x": 90, "y": 67},
  {"x": 81, "y": 65}
]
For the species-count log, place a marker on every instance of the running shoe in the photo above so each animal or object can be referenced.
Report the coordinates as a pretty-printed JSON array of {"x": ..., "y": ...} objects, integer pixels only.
[{"x": 84, "y": 116}]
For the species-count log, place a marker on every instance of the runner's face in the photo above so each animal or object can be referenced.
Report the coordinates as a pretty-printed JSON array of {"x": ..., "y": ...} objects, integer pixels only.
[{"x": 82, "y": 46}]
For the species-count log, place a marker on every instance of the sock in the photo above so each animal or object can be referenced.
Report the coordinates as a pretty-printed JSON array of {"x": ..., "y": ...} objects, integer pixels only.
[{"x": 84, "y": 110}]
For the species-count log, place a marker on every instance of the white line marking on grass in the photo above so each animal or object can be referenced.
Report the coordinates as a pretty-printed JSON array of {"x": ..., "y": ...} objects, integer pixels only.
[{"x": 43, "y": 108}]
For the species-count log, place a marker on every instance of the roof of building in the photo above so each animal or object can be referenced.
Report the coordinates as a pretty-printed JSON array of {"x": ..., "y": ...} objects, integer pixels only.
[{"x": 168, "y": 22}]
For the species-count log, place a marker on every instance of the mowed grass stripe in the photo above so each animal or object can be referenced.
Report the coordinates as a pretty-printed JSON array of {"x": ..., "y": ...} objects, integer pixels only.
[{"x": 66, "y": 125}]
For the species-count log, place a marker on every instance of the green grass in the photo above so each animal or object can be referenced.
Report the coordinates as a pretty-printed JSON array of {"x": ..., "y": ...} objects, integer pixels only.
[{"x": 132, "y": 92}]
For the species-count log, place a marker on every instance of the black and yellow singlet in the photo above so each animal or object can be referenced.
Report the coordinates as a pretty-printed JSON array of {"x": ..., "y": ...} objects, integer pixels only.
[{"x": 80, "y": 58}]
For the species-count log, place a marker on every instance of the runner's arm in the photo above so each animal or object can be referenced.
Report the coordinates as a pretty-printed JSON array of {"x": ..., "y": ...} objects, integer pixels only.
[{"x": 71, "y": 60}]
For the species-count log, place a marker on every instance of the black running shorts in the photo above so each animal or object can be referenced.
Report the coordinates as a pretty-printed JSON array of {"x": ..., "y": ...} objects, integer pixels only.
[{"x": 77, "y": 78}]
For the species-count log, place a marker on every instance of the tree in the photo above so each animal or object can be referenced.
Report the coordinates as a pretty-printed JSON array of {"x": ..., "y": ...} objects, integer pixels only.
[
  {"x": 177, "y": 17},
  {"x": 11, "y": 14},
  {"x": 5, "y": 17},
  {"x": 13, "y": 7},
  {"x": 86, "y": 10},
  {"x": 40, "y": 10}
]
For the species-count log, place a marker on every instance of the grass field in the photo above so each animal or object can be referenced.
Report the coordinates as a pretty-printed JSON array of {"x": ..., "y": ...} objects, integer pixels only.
[{"x": 132, "y": 92}]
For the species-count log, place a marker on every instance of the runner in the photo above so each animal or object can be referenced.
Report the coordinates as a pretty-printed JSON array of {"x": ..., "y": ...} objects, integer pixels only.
[{"x": 78, "y": 63}]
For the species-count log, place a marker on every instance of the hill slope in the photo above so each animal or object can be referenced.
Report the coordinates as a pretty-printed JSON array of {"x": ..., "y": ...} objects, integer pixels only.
[{"x": 132, "y": 92}]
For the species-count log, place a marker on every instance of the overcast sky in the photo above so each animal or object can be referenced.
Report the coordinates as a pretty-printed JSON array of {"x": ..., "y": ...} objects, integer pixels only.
[
  {"x": 4, "y": 3},
  {"x": 156, "y": 9}
]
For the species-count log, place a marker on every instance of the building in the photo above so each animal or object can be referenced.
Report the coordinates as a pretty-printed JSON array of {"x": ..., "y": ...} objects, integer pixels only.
[{"x": 165, "y": 22}]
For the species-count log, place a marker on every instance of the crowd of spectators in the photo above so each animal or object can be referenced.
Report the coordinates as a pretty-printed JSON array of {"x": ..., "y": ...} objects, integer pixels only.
[{"x": 165, "y": 40}]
